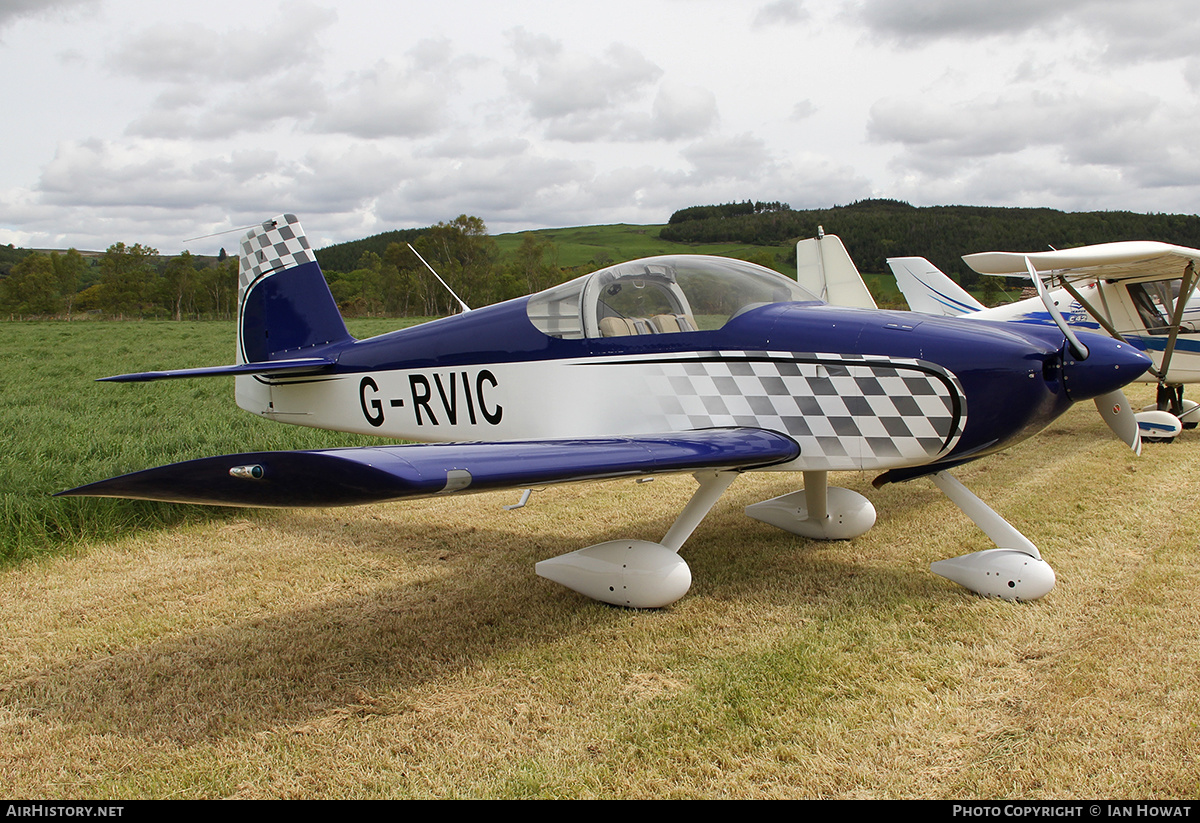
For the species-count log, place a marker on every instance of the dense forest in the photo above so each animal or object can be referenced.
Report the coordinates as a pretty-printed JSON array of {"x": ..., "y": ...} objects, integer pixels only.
[
  {"x": 380, "y": 276},
  {"x": 874, "y": 230}
]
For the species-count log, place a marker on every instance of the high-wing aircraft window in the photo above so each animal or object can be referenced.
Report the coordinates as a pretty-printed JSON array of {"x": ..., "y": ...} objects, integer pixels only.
[{"x": 1154, "y": 302}]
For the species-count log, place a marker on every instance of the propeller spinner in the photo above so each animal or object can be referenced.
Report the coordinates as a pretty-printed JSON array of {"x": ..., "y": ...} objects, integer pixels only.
[{"x": 1113, "y": 406}]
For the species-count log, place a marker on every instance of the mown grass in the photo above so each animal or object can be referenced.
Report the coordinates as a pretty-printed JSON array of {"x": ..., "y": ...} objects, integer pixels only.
[
  {"x": 408, "y": 650},
  {"x": 64, "y": 429}
]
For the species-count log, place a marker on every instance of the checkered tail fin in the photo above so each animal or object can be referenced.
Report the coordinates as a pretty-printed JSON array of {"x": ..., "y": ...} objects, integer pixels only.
[{"x": 285, "y": 309}]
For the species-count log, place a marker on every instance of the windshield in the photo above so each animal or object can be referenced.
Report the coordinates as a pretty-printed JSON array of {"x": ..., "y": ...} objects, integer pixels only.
[{"x": 660, "y": 295}]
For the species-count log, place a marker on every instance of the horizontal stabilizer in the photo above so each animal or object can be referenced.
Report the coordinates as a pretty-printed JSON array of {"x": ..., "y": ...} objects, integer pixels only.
[
  {"x": 298, "y": 365},
  {"x": 345, "y": 477}
]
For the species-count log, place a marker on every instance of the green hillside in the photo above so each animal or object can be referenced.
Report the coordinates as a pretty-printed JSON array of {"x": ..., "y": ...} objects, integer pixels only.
[
  {"x": 874, "y": 230},
  {"x": 577, "y": 247},
  {"x": 583, "y": 246},
  {"x": 379, "y": 276}
]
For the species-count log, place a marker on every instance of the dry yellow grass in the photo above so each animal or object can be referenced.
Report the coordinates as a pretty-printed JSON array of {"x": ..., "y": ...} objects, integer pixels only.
[{"x": 408, "y": 650}]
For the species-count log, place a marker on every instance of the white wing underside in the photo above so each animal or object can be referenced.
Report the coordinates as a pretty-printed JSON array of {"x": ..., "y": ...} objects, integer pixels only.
[{"x": 1129, "y": 260}]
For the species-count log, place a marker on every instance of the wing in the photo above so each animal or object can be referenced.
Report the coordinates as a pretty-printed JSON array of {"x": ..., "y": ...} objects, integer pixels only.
[
  {"x": 344, "y": 477},
  {"x": 299, "y": 365},
  {"x": 1130, "y": 260}
]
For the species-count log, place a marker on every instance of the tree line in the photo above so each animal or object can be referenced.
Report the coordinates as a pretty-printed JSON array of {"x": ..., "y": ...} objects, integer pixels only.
[
  {"x": 377, "y": 277},
  {"x": 124, "y": 282},
  {"x": 725, "y": 210},
  {"x": 381, "y": 276},
  {"x": 874, "y": 230},
  {"x": 389, "y": 280}
]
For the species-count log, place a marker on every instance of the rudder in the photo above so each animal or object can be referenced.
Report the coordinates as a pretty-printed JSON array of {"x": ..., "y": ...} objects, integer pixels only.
[
  {"x": 284, "y": 304},
  {"x": 285, "y": 308},
  {"x": 824, "y": 267}
]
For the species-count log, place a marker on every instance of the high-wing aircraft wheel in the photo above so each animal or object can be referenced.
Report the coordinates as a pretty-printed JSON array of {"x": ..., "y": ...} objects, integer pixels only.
[
  {"x": 1158, "y": 426},
  {"x": 1190, "y": 415}
]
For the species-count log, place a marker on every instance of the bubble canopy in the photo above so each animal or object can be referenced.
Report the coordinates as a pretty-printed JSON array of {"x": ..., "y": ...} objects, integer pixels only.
[{"x": 660, "y": 295}]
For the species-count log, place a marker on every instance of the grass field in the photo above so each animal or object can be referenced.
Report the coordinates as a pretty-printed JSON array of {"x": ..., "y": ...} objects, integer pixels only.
[
  {"x": 66, "y": 430},
  {"x": 408, "y": 650}
]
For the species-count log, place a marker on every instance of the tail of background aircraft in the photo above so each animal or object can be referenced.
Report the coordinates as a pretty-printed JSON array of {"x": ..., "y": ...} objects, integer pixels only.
[
  {"x": 824, "y": 267},
  {"x": 285, "y": 308},
  {"x": 928, "y": 290}
]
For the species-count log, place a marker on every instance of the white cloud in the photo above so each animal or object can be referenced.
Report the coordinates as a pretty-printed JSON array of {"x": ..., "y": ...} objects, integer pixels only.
[
  {"x": 1120, "y": 32},
  {"x": 466, "y": 143},
  {"x": 727, "y": 157},
  {"x": 1007, "y": 122},
  {"x": 803, "y": 110},
  {"x": 558, "y": 83},
  {"x": 780, "y": 13},
  {"x": 1082, "y": 149},
  {"x": 681, "y": 112},
  {"x": 376, "y": 116},
  {"x": 104, "y": 174},
  {"x": 185, "y": 52},
  {"x": 385, "y": 100},
  {"x": 185, "y": 112}
]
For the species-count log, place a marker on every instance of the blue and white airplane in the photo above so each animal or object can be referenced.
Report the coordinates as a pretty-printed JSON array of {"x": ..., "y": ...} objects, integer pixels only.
[
  {"x": 1130, "y": 290},
  {"x": 673, "y": 364}
]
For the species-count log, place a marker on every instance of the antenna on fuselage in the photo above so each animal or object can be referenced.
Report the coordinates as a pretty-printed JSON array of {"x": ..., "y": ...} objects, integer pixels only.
[
  {"x": 219, "y": 233},
  {"x": 465, "y": 307}
]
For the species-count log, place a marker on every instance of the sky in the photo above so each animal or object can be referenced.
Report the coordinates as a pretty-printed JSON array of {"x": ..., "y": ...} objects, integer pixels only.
[{"x": 146, "y": 122}]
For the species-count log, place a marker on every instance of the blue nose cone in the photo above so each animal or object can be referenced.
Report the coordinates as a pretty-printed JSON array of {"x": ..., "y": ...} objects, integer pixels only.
[{"x": 1110, "y": 364}]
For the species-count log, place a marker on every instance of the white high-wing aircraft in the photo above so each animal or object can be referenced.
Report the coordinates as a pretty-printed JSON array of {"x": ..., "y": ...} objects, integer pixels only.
[
  {"x": 673, "y": 364},
  {"x": 1131, "y": 290}
]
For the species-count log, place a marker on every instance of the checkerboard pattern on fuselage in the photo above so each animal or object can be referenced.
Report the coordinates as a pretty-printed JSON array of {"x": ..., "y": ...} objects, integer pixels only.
[{"x": 849, "y": 411}]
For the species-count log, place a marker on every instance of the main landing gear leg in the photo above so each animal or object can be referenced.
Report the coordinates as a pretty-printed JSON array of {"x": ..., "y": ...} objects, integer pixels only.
[
  {"x": 817, "y": 511},
  {"x": 1016, "y": 572},
  {"x": 638, "y": 573}
]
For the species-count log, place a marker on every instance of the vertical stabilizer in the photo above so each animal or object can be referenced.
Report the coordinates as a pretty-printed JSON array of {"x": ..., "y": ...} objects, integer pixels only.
[
  {"x": 928, "y": 290},
  {"x": 285, "y": 309},
  {"x": 824, "y": 267}
]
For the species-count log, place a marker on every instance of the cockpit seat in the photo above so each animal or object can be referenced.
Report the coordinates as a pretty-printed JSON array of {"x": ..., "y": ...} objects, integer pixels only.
[
  {"x": 668, "y": 323},
  {"x": 625, "y": 326}
]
